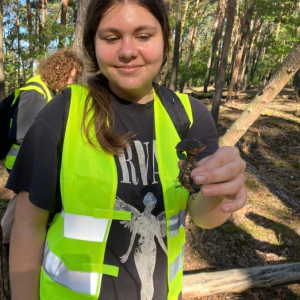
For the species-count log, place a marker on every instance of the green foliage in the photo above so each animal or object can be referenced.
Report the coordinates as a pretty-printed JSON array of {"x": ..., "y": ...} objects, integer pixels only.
[
  {"x": 196, "y": 72},
  {"x": 278, "y": 35},
  {"x": 44, "y": 37}
]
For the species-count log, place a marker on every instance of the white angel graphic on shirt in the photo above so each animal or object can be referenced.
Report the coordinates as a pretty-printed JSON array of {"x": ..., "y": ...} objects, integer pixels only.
[{"x": 147, "y": 227}]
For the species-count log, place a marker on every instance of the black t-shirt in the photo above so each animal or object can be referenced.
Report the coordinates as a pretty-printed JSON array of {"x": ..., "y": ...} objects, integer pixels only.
[{"x": 143, "y": 264}]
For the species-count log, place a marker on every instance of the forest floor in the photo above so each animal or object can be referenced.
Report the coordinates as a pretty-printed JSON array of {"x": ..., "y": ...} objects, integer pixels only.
[{"x": 267, "y": 230}]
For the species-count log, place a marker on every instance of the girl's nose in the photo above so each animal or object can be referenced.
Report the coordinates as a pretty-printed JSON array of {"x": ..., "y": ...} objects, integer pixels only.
[{"x": 128, "y": 49}]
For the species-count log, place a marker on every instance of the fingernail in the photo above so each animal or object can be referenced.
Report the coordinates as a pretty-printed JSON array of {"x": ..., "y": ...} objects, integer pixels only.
[
  {"x": 227, "y": 209},
  {"x": 207, "y": 190},
  {"x": 200, "y": 179}
]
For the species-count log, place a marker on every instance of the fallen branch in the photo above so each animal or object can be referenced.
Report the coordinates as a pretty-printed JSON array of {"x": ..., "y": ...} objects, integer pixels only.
[
  {"x": 202, "y": 95},
  {"x": 239, "y": 280}
]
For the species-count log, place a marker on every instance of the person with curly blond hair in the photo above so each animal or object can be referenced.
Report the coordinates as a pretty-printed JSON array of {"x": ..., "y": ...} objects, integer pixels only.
[
  {"x": 55, "y": 72},
  {"x": 61, "y": 68}
]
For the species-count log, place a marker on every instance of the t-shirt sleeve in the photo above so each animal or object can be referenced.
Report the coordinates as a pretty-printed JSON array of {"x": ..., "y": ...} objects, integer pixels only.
[
  {"x": 36, "y": 169},
  {"x": 203, "y": 128}
]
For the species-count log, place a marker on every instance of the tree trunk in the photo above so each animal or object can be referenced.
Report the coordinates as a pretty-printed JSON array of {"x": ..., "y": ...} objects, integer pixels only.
[
  {"x": 246, "y": 53},
  {"x": 220, "y": 80},
  {"x": 245, "y": 30},
  {"x": 80, "y": 20},
  {"x": 218, "y": 27},
  {"x": 296, "y": 84},
  {"x": 19, "y": 44},
  {"x": 236, "y": 42},
  {"x": 182, "y": 36},
  {"x": 255, "y": 63},
  {"x": 17, "y": 24},
  {"x": 42, "y": 38},
  {"x": 63, "y": 23},
  {"x": 239, "y": 280},
  {"x": 4, "y": 276},
  {"x": 187, "y": 4},
  {"x": 43, "y": 15},
  {"x": 167, "y": 5},
  {"x": 255, "y": 32},
  {"x": 29, "y": 22},
  {"x": 251, "y": 53},
  {"x": 2, "y": 76},
  {"x": 190, "y": 48},
  {"x": 175, "y": 64},
  {"x": 37, "y": 24},
  {"x": 277, "y": 82}
]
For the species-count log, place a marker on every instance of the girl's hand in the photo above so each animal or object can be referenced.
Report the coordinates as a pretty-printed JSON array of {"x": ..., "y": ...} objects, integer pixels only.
[{"x": 222, "y": 174}]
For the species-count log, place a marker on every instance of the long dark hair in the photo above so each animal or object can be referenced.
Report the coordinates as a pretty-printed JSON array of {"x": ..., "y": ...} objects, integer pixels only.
[{"x": 98, "y": 101}]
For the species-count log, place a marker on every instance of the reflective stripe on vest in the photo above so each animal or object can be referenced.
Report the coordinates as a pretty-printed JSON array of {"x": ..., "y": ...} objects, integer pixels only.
[
  {"x": 177, "y": 265},
  {"x": 11, "y": 156},
  {"x": 176, "y": 222},
  {"x": 28, "y": 87},
  {"x": 89, "y": 228},
  {"x": 88, "y": 184},
  {"x": 14, "y": 150},
  {"x": 83, "y": 282}
]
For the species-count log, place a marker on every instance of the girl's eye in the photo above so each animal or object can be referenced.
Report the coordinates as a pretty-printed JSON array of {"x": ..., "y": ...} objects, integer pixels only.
[
  {"x": 144, "y": 37},
  {"x": 111, "y": 39}
]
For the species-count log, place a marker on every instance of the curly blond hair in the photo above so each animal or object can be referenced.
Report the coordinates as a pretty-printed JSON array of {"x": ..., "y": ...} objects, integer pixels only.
[{"x": 56, "y": 70}]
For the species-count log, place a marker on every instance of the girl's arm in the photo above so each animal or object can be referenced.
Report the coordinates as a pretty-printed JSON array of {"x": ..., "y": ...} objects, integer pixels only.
[
  {"x": 223, "y": 190},
  {"x": 26, "y": 248}
]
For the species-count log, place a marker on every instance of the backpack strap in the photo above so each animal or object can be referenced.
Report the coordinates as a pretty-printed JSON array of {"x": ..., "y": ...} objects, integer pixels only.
[{"x": 175, "y": 109}]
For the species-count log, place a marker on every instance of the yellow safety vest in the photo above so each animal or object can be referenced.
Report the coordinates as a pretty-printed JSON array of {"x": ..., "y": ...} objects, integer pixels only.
[
  {"x": 73, "y": 258},
  {"x": 41, "y": 88}
]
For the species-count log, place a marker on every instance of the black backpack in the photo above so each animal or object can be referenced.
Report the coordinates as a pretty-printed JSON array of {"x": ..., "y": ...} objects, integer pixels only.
[{"x": 7, "y": 111}]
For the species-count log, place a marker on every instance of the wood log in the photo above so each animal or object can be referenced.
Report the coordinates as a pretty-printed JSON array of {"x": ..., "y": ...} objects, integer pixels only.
[
  {"x": 239, "y": 280},
  {"x": 202, "y": 95}
]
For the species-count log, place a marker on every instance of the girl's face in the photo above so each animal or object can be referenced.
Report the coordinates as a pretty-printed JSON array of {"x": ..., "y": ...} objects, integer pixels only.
[{"x": 129, "y": 48}]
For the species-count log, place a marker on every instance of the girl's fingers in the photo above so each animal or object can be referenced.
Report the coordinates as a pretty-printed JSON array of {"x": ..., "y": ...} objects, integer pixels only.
[
  {"x": 224, "y": 173},
  {"x": 221, "y": 157},
  {"x": 239, "y": 201},
  {"x": 231, "y": 187}
]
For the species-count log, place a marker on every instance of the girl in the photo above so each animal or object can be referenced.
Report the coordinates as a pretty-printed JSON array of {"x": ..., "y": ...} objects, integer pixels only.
[{"x": 101, "y": 169}]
